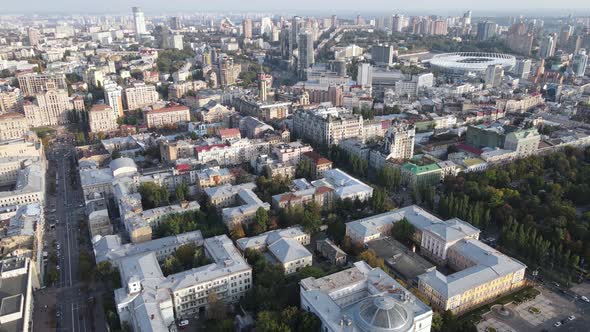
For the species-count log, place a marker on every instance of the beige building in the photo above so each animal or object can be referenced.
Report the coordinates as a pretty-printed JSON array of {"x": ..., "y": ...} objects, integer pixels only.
[
  {"x": 167, "y": 116},
  {"x": 113, "y": 96},
  {"x": 327, "y": 126},
  {"x": 214, "y": 112},
  {"x": 32, "y": 83},
  {"x": 49, "y": 109},
  {"x": 11, "y": 101},
  {"x": 228, "y": 71},
  {"x": 102, "y": 119},
  {"x": 140, "y": 95},
  {"x": 12, "y": 125}
]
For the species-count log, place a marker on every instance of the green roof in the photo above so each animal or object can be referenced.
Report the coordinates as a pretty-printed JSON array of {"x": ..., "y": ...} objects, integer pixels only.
[{"x": 417, "y": 170}]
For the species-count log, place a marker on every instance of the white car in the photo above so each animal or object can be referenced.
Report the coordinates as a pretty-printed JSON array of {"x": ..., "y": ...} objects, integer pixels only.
[
  {"x": 558, "y": 324},
  {"x": 183, "y": 323},
  {"x": 585, "y": 299},
  {"x": 572, "y": 317}
]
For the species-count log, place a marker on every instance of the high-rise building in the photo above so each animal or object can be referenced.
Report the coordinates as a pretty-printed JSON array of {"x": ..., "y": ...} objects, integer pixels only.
[
  {"x": 139, "y": 20},
  {"x": 580, "y": 62},
  {"x": 382, "y": 55},
  {"x": 467, "y": 18},
  {"x": 266, "y": 26},
  {"x": 295, "y": 25},
  {"x": 113, "y": 96},
  {"x": 33, "y": 83},
  {"x": 33, "y": 36},
  {"x": 228, "y": 71},
  {"x": 565, "y": 34},
  {"x": 494, "y": 75},
  {"x": 262, "y": 87},
  {"x": 11, "y": 100},
  {"x": 247, "y": 28},
  {"x": 486, "y": 30},
  {"x": 547, "y": 48},
  {"x": 175, "y": 23},
  {"x": 334, "y": 21},
  {"x": 364, "y": 75},
  {"x": 306, "y": 51},
  {"x": 520, "y": 43},
  {"x": 439, "y": 27},
  {"x": 102, "y": 119},
  {"x": 522, "y": 69},
  {"x": 397, "y": 23}
]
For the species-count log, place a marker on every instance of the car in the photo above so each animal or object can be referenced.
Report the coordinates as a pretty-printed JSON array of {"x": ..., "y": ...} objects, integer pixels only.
[
  {"x": 183, "y": 323},
  {"x": 556, "y": 284},
  {"x": 57, "y": 267},
  {"x": 572, "y": 317},
  {"x": 557, "y": 324},
  {"x": 585, "y": 299}
]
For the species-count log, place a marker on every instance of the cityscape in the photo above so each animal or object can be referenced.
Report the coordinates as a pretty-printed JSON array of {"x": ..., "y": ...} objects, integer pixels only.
[{"x": 262, "y": 167}]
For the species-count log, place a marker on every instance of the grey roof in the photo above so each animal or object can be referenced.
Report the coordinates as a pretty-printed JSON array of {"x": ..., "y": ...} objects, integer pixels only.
[{"x": 288, "y": 250}]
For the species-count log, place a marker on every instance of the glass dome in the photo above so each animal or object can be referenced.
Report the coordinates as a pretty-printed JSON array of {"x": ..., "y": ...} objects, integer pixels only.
[{"x": 384, "y": 314}]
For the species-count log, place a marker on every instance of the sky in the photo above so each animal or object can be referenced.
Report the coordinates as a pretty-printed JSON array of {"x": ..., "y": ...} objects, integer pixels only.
[{"x": 443, "y": 7}]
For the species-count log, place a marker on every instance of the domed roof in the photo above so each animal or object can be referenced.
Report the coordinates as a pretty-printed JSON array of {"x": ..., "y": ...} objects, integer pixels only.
[{"x": 384, "y": 314}]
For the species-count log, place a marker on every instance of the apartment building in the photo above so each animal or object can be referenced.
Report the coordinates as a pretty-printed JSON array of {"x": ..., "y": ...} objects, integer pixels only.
[
  {"x": 302, "y": 193},
  {"x": 139, "y": 95},
  {"x": 12, "y": 125},
  {"x": 17, "y": 281},
  {"x": 113, "y": 96},
  {"x": 327, "y": 126},
  {"x": 214, "y": 112},
  {"x": 399, "y": 141},
  {"x": 318, "y": 165},
  {"x": 167, "y": 116},
  {"x": 33, "y": 83},
  {"x": 232, "y": 153},
  {"x": 101, "y": 118},
  {"x": 213, "y": 177},
  {"x": 11, "y": 100}
]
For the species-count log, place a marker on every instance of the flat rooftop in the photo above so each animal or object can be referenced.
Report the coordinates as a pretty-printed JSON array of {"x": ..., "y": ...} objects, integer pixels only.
[{"x": 401, "y": 260}]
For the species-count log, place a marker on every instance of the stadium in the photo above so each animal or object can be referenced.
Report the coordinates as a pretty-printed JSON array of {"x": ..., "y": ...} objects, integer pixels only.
[{"x": 461, "y": 63}]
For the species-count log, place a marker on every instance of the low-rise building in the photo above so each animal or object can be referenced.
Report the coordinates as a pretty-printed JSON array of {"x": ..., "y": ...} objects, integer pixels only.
[
  {"x": 331, "y": 252},
  {"x": 167, "y": 116},
  {"x": 318, "y": 165},
  {"x": 213, "y": 177},
  {"x": 363, "y": 298},
  {"x": 285, "y": 245},
  {"x": 238, "y": 204}
]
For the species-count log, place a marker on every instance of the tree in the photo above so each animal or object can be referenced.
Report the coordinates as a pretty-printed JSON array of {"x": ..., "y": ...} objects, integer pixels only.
[
  {"x": 185, "y": 254},
  {"x": 370, "y": 257},
  {"x": 237, "y": 232},
  {"x": 261, "y": 220},
  {"x": 311, "y": 221},
  {"x": 217, "y": 309},
  {"x": 403, "y": 231},
  {"x": 171, "y": 265},
  {"x": 267, "y": 321},
  {"x": 153, "y": 195}
]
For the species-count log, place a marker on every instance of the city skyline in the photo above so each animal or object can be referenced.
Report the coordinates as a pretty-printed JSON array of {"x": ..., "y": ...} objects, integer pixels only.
[{"x": 372, "y": 7}]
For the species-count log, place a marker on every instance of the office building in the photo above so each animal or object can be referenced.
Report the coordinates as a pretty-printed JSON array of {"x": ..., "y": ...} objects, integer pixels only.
[
  {"x": 139, "y": 22},
  {"x": 382, "y": 55},
  {"x": 139, "y": 95},
  {"x": 32, "y": 84},
  {"x": 101, "y": 118},
  {"x": 17, "y": 280},
  {"x": 50, "y": 108},
  {"x": 296, "y": 22},
  {"x": 486, "y": 30},
  {"x": 363, "y": 298},
  {"x": 175, "y": 23}
]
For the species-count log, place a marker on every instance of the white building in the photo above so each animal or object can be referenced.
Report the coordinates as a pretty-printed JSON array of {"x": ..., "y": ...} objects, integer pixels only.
[
  {"x": 285, "y": 245},
  {"x": 327, "y": 126},
  {"x": 364, "y": 299},
  {"x": 167, "y": 116},
  {"x": 101, "y": 118},
  {"x": 140, "y": 95},
  {"x": 399, "y": 141},
  {"x": 113, "y": 96},
  {"x": 238, "y": 204},
  {"x": 12, "y": 125},
  {"x": 17, "y": 281},
  {"x": 344, "y": 185}
]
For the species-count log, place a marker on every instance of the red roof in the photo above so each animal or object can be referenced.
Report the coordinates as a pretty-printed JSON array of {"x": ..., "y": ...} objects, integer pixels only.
[
  {"x": 316, "y": 157},
  {"x": 209, "y": 147},
  {"x": 323, "y": 189},
  {"x": 183, "y": 167},
  {"x": 102, "y": 107},
  {"x": 11, "y": 116},
  {"x": 385, "y": 124},
  {"x": 469, "y": 148},
  {"x": 224, "y": 132},
  {"x": 170, "y": 109}
]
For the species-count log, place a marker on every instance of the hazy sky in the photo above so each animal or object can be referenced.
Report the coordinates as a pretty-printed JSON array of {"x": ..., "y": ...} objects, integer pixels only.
[{"x": 425, "y": 6}]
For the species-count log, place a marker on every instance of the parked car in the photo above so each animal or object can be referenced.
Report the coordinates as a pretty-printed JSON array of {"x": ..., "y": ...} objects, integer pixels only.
[
  {"x": 183, "y": 323},
  {"x": 557, "y": 324},
  {"x": 585, "y": 299},
  {"x": 572, "y": 317}
]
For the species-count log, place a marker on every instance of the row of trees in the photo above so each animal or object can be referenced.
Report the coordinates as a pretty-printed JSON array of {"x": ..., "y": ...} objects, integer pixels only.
[
  {"x": 178, "y": 223},
  {"x": 461, "y": 207}
]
